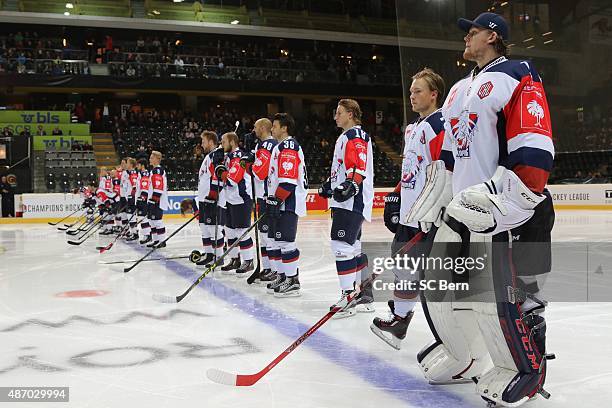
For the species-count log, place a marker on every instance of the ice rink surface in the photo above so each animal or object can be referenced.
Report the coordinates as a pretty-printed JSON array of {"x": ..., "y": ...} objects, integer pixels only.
[{"x": 115, "y": 347}]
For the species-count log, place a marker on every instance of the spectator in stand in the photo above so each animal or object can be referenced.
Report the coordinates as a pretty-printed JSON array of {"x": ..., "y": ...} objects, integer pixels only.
[
  {"x": 57, "y": 131},
  {"x": 79, "y": 111},
  {"x": 40, "y": 131},
  {"x": 25, "y": 132},
  {"x": 141, "y": 153},
  {"x": 108, "y": 47},
  {"x": 6, "y": 132},
  {"x": 8, "y": 198}
]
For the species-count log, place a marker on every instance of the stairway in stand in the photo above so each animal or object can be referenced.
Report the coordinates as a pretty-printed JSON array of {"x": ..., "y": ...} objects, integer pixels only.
[
  {"x": 104, "y": 150},
  {"x": 392, "y": 154}
]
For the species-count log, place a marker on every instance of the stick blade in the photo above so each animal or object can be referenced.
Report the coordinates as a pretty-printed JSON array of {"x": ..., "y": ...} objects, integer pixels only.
[
  {"x": 251, "y": 279},
  {"x": 221, "y": 377},
  {"x": 164, "y": 298},
  {"x": 75, "y": 242}
]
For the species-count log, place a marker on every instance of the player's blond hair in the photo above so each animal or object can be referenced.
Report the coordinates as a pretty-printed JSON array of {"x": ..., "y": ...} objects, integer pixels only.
[
  {"x": 352, "y": 106},
  {"x": 265, "y": 122},
  {"x": 157, "y": 154},
  {"x": 434, "y": 82},
  {"x": 232, "y": 138}
]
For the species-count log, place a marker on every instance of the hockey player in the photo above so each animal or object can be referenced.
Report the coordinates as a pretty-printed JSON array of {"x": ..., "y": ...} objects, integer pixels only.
[
  {"x": 105, "y": 198},
  {"x": 351, "y": 189},
  {"x": 258, "y": 163},
  {"x": 237, "y": 186},
  {"x": 124, "y": 192},
  {"x": 208, "y": 195},
  {"x": 499, "y": 132},
  {"x": 132, "y": 179},
  {"x": 422, "y": 145},
  {"x": 157, "y": 200},
  {"x": 115, "y": 175},
  {"x": 142, "y": 197},
  {"x": 286, "y": 201}
]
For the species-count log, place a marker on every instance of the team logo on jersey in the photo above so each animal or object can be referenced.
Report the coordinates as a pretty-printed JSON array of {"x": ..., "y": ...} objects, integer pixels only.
[
  {"x": 410, "y": 170},
  {"x": 463, "y": 132},
  {"x": 233, "y": 170},
  {"x": 451, "y": 97},
  {"x": 485, "y": 90},
  {"x": 363, "y": 157},
  {"x": 534, "y": 111},
  {"x": 341, "y": 233},
  {"x": 287, "y": 167},
  {"x": 258, "y": 163}
]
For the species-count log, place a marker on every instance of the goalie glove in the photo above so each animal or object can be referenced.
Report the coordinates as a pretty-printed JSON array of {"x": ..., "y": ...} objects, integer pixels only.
[
  {"x": 392, "y": 211},
  {"x": 495, "y": 206}
]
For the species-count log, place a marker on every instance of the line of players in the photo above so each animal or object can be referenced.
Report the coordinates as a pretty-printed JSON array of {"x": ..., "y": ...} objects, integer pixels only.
[
  {"x": 130, "y": 199},
  {"x": 474, "y": 169},
  {"x": 488, "y": 152}
]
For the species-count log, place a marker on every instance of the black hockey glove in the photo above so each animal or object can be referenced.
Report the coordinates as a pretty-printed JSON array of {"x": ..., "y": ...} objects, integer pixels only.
[
  {"x": 392, "y": 211},
  {"x": 218, "y": 156},
  {"x": 325, "y": 190},
  {"x": 346, "y": 190},
  {"x": 219, "y": 170},
  {"x": 248, "y": 158},
  {"x": 273, "y": 205}
]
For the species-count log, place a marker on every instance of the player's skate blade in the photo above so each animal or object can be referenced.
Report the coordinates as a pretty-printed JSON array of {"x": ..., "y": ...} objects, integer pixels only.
[{"x": 387, "y": 337}]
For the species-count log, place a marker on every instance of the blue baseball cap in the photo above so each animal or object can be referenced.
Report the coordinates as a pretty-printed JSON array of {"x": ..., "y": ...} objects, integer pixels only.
[{"x": 489, "y": 21}]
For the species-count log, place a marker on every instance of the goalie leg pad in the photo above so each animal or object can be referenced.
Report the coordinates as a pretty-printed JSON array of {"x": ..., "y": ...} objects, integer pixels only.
[
  {"x": 458, "y": 352},
  {"x": 514, "y": 336}
]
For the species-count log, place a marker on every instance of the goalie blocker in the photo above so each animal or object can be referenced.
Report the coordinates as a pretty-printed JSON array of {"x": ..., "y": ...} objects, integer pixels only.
[{"x": 499, "y": 343}]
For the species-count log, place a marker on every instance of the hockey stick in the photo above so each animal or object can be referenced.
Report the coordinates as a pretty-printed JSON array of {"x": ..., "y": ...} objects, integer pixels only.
[
  {"x": 257, "y": 271},
  {"x": 68, "y": 226},
  {"x": 126, "y": 270},
  {"x": 65, "y": 218},
  {"x": 126, "y": 228},
  {"x": 177, "y": 299},
  {"x": 84, "y": 224},
  {"x": 89, "y": 233},
  {"x": 223, "y": 377},
  {"x": 146, "y": 260},
  {"x": 85, "y": 228}
]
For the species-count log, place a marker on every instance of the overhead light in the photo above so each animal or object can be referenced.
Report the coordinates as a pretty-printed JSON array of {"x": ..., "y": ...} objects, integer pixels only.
[
  {"x": 66, "y": 13},
  {"x": 235, "y": 22},
  {"x": 531, "y": 46},
  {"x": 157, "y": 13},
  {"x": 548, "y": 41},
  {"x": 177, "y": 42},
  {"x": 89, "y": 43},
  {"x": 547, "y": 33},
  {"x": 511, "y": 45},
  {"x": 177, "y": 1},
  {"x": 64, "y": 41},
  {"x": 528, "y": 39},
  {"x": 69, "y": 5},
  {"x": 504, "y": 3},
  {"x": 374, "y": 57}
]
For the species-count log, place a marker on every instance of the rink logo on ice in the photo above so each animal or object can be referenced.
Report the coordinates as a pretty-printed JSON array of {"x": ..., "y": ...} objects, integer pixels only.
[
  {"x": 116, "y": 357},
  {"x": 129, "y": 356},
  {"x": 76, "y": 318}
]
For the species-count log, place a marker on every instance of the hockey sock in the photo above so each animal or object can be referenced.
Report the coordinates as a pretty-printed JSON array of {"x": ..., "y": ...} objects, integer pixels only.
[
  {"x": 289, "y": 264},
  {"x": 404, "y": 306}
]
